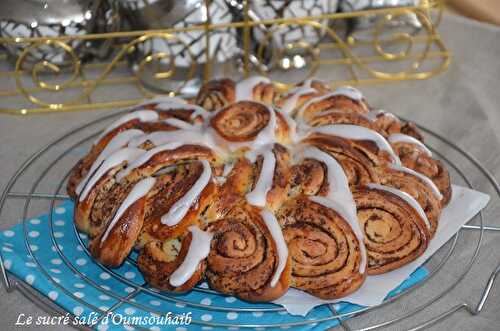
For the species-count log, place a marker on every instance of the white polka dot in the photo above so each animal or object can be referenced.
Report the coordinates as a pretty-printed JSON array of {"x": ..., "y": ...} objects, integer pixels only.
[
  {"x": 60, "y": 210},
  {"x": 79, "y": 248},
  {"x": 204, "y": 285},
  {"x": 53, "y": 295},
  {"x": 30, "y": 264},
  {"x": 33, "y": 234},
  {"x": 54, "y": 248},
  {"x": 129, "y": 311},
  {"x": 7, "y": 249},
  {"x": 283, "y": 312},
  {"x": 77, "y": 310},
  {"x": 7, "y": 264},
  {"x": 230, "y": 299},
  {"x": 180, "y": 305},
  {"x": 155, "y": 302},
  {"x": 154, "y": 328},
  {"x": 129, "y": 289},
  {"x": 206, "y": 317},
  {"x": 8, "y": 233},
  {"x": 129, "y": 274},
  {"x": 58, "y": 234},
  {"x": 232, "y": 315},
  {"x": 79, "y": 285},
  {"x": 104, "y": 297},
  {"x": 56, "y": 261},
  {"x": 206, "y": 302},
  {"x": 59, "y": 223},
  {"x": 8, "y": 244},
  {"x": 128, "y": 327},
  {"x": 103, "y": 327},
  {"x": 35, "y": 221},
  {"x": 57, "y": 280},
  {"x": 56, "y": 271},
  {"x": 257, "y": 313},
  {"x": 30, "y": 279},
  {"x": 107, "y": 288},
  {"x": 81, "y": 262},
  {"x": 79, "y": 295},
  {"x": 104, "y": 275},
  {"x": 83, "y": 235},
  {"x": 34, "y": 248}
]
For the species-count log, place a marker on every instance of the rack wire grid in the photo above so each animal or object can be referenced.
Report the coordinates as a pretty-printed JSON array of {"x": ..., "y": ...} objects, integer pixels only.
[{"x": 42, "y": 187}]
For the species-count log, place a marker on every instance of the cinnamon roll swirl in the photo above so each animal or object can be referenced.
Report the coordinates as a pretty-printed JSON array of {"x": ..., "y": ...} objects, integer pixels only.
[
  {"x": 246, "y": 258},
  {"x": 324, "y": 250},
  {"x": 219, "y": 93},
  {"x": 175, "y": 265},
  {"x": 395, "y": 232},
  {"x": 420, "y": 187},
  {"x": 358, "y": 168},
  {"x": 415, "y": 155}
]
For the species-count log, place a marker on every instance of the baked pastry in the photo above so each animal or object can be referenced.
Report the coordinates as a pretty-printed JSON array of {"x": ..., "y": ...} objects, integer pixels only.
[{"x": 258, "y": 191}]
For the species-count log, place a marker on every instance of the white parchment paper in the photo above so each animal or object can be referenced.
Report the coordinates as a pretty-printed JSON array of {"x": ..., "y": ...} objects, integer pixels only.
[{"x": 464, "y": 205}]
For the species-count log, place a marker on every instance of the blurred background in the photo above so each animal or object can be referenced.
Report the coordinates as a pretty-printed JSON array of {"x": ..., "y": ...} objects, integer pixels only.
[{"x": 480, "y": 10}]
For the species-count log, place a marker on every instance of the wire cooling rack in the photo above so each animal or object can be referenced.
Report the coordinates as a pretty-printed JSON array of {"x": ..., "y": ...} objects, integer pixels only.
[{"x": 43, "y": 187}]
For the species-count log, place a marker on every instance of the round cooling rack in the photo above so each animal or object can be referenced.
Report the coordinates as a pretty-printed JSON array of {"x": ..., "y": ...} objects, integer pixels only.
[{"x": 38, "y": 187}]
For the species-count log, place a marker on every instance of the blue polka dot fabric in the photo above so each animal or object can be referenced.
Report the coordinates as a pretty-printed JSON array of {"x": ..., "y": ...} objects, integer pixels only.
[{"x": 53, "y": 259}]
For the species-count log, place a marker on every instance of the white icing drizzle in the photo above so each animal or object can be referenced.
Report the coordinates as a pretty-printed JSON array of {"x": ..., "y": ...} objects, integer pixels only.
[
  {"x": 427, "y": 180},
  {"x": 193, "y": 135},
  {"x": 399, "y": 137},
  {"x": 142, "y": 115},
  {"x": 292, "y": 97},
  {"x": 292, "y": 126},
  {"x": 406, "y": 197},
  {"x": 373, "y": 114},
  {"x": 178, "y": 123},
  {"x": 356, "y": 132},
  {"x": 244, "y": 89},
  {"x": 339, "y": 197},
  {"x": 180, "y": 208},
  {"x": 138, "y": 191},
  {"x": 199, "y": 248},
  {"x": 350, "y": 92},
  {"x": 266, "y": 136},
  {"x": 145, "y": 157},
  {"x": 258, "y": 195},
  {"x": 171, "y": 105},
  {"x": 228, "y": 167},
  {"x": 281, "y": 246},
  {"x": 115, "y": 159},
  {"x": 118, "y": 141},
  {"x": 346, "y": 91}
]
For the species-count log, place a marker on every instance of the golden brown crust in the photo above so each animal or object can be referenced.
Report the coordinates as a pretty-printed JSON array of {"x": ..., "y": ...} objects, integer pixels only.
[
  {"x": 413, "y": 157},
  {"x": 158, "y": 260},
  {"x": 337, "y": 103},
  {"x": 241, "y": 121},
  {"x": 112, "y": 250},
  {"x": 415, "y": 187},
  {"x": 243, "y": 257},
  {"x": 394, "y": 232},
  {"x": 342, "y": 117},
  {"x": 323, "y": 248},
  {"x": 216, "y": 94},
  {"x": 357, "y": 166}
]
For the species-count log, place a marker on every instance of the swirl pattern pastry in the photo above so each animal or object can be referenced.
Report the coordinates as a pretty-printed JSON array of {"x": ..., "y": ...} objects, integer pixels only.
[
  {"x": 244, "y": 258},
  {"x": 325, "y": 252},
  {"x": 395, "y": 232},
  {"x": 256, "y": 191}
]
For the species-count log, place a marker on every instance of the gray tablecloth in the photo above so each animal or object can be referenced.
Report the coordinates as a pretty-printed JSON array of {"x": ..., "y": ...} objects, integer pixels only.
[{"x": 462, "y": 104}]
